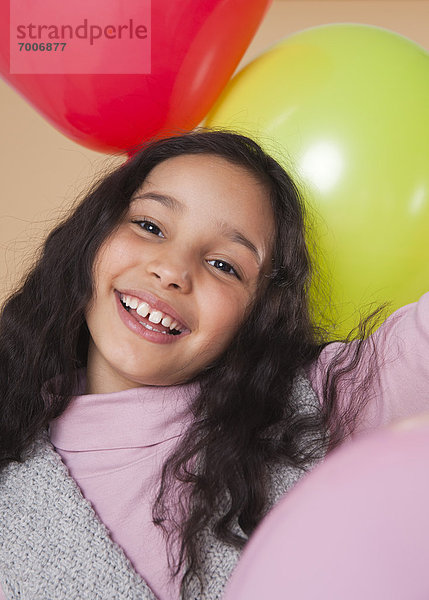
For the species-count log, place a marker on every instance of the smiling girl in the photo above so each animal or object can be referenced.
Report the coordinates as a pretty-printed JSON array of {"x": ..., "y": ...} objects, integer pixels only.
[
  {"x": 180, "y": 271},
  {"x": 163, "y": 382}
]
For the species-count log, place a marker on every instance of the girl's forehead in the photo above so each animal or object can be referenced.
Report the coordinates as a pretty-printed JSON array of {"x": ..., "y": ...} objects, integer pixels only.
[
  {"x": 204, "y": 164},
  {"x": 204, "y": 181},
  {"x": 212, "y": 179}
]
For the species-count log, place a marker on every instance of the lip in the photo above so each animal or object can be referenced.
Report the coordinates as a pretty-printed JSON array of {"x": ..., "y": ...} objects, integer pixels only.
[
  {"x": 156, "y": 303},
  {"x": 136, "y": 327}
]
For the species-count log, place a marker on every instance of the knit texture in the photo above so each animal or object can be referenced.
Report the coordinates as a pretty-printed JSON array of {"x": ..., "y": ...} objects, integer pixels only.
[
  {"x": 54, "y": 547},
  {"x": 52, "y": 544}
]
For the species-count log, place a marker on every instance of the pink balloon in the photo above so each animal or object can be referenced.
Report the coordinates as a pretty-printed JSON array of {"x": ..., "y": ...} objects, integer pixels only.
[{"x": 356, "y": 528}]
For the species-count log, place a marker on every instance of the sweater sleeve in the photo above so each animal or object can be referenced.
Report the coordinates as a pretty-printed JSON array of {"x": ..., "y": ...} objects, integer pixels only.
[
  {"x": 2, "y": 596},
  {"x": 400, "y": 387}
]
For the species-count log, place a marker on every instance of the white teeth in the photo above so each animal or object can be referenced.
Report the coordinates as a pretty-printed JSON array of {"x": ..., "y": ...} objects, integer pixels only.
[
  {"x": 133, "y": 303},
  {"x": 155, "y": 316},
  {"x": 151, "y": 328},
  {"x": 166, "y": 321},
  {"x": 143, "y": 309}
]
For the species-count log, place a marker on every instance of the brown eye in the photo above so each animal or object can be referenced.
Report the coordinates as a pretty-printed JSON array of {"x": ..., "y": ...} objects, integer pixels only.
[
  {"x": 149, "y": 227},
  {"x": 224, "y": 266}
]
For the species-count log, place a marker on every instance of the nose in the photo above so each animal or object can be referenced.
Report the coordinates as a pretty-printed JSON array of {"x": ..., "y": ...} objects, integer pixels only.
[{"x": 171, "y": 272}]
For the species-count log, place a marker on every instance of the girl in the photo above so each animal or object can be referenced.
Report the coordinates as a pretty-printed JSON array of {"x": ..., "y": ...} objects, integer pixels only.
[{"x": 163, "y": 382}]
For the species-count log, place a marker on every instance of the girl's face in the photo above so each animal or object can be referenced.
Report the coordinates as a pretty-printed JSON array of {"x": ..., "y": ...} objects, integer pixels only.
[{"x": 174, "y": 281}]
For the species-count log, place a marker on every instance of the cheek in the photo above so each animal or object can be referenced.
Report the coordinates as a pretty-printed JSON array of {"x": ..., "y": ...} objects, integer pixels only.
[
  {"x": 223, "y": 314},
  {"x": 113, "y": 258}
]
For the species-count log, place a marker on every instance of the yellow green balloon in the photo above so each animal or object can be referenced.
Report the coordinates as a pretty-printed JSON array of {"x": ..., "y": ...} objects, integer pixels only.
[{"x": 345, "y": 108}]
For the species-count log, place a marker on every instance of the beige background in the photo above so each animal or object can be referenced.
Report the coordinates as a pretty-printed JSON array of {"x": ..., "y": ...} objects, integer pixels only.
[{"x": 42, "y": 172}]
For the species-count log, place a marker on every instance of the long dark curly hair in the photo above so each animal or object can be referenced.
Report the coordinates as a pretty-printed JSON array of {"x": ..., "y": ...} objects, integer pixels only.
[{"x": 244, "y": 394}]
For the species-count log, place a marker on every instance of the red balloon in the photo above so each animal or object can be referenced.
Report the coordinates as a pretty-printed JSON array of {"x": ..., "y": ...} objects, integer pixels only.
[{"x": 196, "y": 46}]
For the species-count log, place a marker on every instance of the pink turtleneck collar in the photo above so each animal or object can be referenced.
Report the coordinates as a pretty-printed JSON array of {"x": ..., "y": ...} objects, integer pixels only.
[
  {"x": 134, "y": 418},
  {"x": 114, "y": 446}
]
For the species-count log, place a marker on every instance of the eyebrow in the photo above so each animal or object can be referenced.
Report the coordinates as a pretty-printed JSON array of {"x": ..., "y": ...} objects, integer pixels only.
[
  {"x": 237, "y": 237},
  {"x": 167, "y": 201},
  {"x": 234, "y": 235}
]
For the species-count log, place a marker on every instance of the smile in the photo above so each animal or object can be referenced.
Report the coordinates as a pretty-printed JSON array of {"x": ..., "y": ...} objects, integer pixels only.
[
  {"x": 150, "y": 321},
  {"x": 143, "y": 309}
]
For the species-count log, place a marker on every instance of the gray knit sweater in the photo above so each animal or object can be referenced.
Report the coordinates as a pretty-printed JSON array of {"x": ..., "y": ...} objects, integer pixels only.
[{"x": 54, "y": 547}]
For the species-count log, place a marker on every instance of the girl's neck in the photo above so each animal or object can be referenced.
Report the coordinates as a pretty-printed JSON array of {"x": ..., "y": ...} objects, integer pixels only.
[{"x": 101, "y": 379}]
